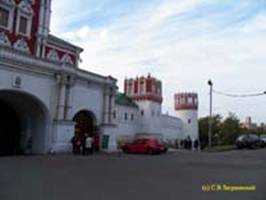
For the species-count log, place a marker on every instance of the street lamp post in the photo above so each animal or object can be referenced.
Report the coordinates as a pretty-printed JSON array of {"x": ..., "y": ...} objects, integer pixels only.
[{"x": 210, "y": 116}]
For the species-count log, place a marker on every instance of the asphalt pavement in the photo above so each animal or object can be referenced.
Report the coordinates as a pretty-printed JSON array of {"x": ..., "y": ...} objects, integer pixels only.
[{"x": 176, "y": 175}]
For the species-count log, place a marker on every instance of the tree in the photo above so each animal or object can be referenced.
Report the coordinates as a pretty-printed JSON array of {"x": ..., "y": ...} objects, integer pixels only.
[
  {"x": 203, "y": 129},
  {"x": 229, "y": 130}
]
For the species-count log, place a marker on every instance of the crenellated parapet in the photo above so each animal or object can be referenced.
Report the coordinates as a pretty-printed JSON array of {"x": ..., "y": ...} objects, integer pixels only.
[
  {"x": 144, "y": 88},
  {"x": 186, "y": 101}
]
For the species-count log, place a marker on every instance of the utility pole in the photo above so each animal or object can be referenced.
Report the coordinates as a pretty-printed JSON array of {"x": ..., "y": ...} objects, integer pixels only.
[{"x": 210, "y": 116}]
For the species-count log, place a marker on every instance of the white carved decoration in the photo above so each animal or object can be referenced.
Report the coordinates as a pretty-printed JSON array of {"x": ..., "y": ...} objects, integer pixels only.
[
  {"x": 67, "y": 59},
  {"x": 4, "y": 40},
  {"x": 9, "y": 3},
  {"x": 53, "y": 55},
  {"x": 22, "y": 45},
  {"x": 25, "y": 7}
]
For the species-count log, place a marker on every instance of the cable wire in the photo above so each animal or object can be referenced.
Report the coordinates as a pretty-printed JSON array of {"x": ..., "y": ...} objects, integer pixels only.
[{"x": 239, "y": 95}]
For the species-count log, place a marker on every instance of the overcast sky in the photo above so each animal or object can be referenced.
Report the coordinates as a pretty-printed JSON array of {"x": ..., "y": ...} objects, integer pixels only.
[{"x": 182, "y": 42}]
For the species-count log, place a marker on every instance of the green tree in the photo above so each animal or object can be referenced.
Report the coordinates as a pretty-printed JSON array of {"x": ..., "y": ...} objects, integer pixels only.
[
  {"x": 203, "y": 129},
  {"x": 230, "y": 129}
]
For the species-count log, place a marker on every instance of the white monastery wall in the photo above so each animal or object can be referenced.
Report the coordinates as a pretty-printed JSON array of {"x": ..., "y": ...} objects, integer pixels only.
[
  {"x": 89, "y": 97},
  {"x": 171, "y": 127}
]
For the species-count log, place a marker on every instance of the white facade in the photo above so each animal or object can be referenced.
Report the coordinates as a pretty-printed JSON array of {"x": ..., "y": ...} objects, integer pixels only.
[
  {"x": 171, "y": 127},
  {"x": 127, "y": 120},
  {"x": 148, "y": 120},
  {"x": 47, "y": 103},
  {"x": 190, "y": 124},
  {"x": 43, "y": 91},
  {"x": 50, "y": 121},
  {"x": 150, "y": 116},
  {"x": 186, "y": 106}
]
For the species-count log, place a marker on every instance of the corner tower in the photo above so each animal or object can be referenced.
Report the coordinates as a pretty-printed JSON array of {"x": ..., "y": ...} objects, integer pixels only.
[
  {"x": 146, "y": 92},
  {"x": 186, "y": 106}
]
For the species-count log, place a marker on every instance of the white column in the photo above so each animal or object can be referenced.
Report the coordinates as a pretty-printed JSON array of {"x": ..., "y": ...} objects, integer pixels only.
[
  {"x": 69, "y": 98},
  {"x": 112, "y": 107},
  {"x": 61, "y": 105},
  {"x": 66, "y": 110},
  {"x": 47, "y": 17},
  {"x": 40, "y": 29},
  {"x": 61, "y": 97},
  {"x": 42, "y": 18},
  {"x": 109, "y": 109},
  {"x": 106, "y": 107}
]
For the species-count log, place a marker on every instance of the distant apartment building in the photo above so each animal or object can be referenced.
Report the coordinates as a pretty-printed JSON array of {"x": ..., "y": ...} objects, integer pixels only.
[{"x": 248, "y": 124}]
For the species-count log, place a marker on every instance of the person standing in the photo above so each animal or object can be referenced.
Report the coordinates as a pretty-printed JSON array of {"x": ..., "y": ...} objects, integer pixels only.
[
  {"x": 196, "y": 144},
  {"x": 83, "y": 144},
  {"x": 186, "y": 143},
  {"x": 89, "y": 146},
  {"x": 182, "y": 144},
  {"x": 96, "y": 142},
  {"x": 189, "y": 143},
  {"x": 75, "y": 144}
]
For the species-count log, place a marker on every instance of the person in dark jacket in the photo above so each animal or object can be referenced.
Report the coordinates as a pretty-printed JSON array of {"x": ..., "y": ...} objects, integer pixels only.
[
  {"x": 182, "y": 144},
  {"x": 189, "y": 143},
  {"x": 196, "y": 144},
  {"x": 83, "y": 144},
  {"x": 186, "y": 143},
  {"x": 75, "y": 144}
]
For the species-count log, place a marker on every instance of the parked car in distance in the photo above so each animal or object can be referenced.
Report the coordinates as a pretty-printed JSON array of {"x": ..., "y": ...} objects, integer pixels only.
[
  {"x": 145, "y": 145},
  {"x": 248, "y": 141},
  {"x": 263, "y": 140}
]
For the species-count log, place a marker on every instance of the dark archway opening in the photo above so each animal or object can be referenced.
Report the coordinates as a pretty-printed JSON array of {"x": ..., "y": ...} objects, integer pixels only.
[
  {"x": 85, "y": 124},
  {"x": 23, "y": 124},
  {"x": 10, "y": 126}
]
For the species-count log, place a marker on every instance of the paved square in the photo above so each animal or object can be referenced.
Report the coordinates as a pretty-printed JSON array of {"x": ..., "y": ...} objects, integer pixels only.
[{"x": 178, "y": 175}]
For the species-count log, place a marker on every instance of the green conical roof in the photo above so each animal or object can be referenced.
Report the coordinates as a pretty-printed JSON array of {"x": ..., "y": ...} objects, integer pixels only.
[{"x": 122, "y": 99}]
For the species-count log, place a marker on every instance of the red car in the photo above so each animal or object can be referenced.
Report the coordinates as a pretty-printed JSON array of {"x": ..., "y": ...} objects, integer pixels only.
[{"x": 147, "y": 145}]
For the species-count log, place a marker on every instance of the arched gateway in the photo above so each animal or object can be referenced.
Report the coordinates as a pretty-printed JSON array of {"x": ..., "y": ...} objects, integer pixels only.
[
  {"x": 23, "y": 124},
  {"x": 85, "y": 123}
]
